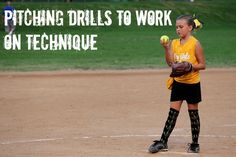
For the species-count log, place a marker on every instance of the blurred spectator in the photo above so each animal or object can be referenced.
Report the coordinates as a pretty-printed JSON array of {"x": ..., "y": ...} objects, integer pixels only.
[{"x": 10, "y": 27}]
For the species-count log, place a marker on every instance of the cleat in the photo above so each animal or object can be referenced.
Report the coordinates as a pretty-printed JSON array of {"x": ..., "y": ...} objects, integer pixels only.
[
  {"x": 158, "y": 146},
  {"x": 193, "y": 148}
]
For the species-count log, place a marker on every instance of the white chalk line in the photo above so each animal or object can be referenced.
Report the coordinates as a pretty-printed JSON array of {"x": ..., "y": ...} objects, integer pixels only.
[
  {"x": 110, "y": 136},
  {"x": 31, "y": 141},
  {"x": 180, "y": 153},
  {"x": 228, "y": 125},
  {"x": 173, "y": 152}
]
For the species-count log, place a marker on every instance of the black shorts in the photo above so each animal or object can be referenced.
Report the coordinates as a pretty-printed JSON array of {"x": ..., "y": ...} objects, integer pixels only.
[{"x": 189, "y": 92}]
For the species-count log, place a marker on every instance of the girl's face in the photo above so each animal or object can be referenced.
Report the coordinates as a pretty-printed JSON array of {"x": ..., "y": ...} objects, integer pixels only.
[{"x": 182, "y": 28}]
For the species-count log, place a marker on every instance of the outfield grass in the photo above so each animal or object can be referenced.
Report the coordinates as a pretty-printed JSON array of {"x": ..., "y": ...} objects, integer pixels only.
[{"x": 129, "y": 47}]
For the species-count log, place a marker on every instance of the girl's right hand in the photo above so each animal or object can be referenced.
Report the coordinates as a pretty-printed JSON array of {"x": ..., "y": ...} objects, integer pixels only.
[{"x": 166, "y": 45}]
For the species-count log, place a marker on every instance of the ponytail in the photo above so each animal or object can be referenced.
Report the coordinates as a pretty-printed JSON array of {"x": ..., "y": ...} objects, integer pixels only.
[
  {"x": 197, "y": 23},
  {"x": 192, "y": 21}
]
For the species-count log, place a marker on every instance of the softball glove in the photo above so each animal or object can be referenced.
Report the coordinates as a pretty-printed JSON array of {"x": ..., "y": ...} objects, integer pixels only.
[{"x": 181, "y": 68}]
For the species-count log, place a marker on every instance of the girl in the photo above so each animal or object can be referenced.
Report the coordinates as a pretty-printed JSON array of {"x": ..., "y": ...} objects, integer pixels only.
[{"x": 187, "y": 87}]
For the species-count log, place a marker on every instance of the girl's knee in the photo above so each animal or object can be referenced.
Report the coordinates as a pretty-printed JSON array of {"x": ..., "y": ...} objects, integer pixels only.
[{"x": 193, "y": 106}]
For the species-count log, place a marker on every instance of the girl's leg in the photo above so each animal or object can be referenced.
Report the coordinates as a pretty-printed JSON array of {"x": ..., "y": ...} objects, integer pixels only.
[
  {"x": 195, "y": 127},
  {"x": 169, "y": 126},
  {"x": 171, "y": 120},
  {"x": 195, "y": 121},
  {"x": 176, "y": 105}
]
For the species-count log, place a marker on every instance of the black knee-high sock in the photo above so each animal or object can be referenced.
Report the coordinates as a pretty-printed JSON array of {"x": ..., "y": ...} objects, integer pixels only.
[
  {"x": 195, "y": 125},
  {"x": 169, "y": 125}
]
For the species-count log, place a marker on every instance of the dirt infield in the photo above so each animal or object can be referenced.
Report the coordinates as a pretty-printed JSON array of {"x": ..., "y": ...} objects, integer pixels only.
[{"x": 109, "y": 114}]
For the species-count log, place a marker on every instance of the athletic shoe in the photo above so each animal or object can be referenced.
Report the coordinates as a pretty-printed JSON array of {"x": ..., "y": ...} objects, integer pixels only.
[
  {"x": 193, "y": 148},
  {"x": 158, "y": 146}
]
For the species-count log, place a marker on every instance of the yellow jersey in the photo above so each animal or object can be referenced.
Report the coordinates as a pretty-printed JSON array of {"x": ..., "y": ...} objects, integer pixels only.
[{"x": 186, "y": 52}]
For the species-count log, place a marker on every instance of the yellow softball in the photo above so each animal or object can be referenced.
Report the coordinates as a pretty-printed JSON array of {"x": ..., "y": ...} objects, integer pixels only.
[{"x": 164, "y": 39}]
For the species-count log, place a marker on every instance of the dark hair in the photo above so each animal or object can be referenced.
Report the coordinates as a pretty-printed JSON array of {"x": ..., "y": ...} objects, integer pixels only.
[{"x": 191, "y": 21}]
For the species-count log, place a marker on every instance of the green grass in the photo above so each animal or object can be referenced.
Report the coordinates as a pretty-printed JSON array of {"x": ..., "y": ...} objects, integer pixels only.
[{"x": 128, "y": 47}]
